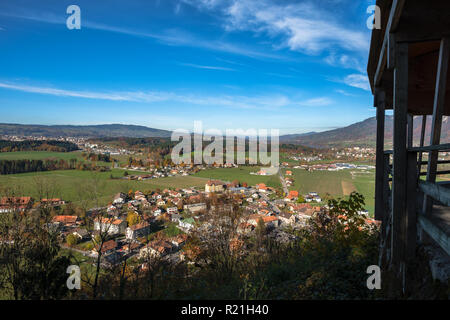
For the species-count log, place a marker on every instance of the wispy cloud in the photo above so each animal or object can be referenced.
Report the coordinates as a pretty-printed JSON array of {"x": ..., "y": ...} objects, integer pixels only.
[
  {"x": 206, "y": 67},
  {"x": 316, "y": 102},
  {"x": 358, "y": 81},
  {"x": 303, "y": 27},
  {"x": 266, "y": 102},
  {"x": 171, "y": 37}
]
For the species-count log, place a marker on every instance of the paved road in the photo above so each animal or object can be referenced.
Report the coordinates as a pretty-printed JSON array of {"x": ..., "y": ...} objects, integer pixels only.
[{"x": 273, "y": 205}]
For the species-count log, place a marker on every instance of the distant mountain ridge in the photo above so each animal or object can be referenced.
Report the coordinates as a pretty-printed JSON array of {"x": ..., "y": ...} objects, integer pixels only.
[
  {"x": 91, "y": 131},
  {"x": 363, "y": 134}
]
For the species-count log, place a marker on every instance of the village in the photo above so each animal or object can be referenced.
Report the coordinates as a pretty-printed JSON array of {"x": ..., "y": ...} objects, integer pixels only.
[{"x": 158, "y": 224}]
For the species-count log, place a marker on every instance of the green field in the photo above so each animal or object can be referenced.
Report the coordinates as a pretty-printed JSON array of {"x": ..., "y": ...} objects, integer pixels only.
[
  {"x": 242, "y": 174},
  {"x": 75, "y": 185},
  {"x": 336, "y": 183},
  {"x": 40, "y": 155}
]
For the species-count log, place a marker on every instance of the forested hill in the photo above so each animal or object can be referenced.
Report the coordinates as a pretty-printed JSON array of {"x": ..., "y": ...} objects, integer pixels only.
[
  {"x": 32, "y": 145},
  {"x": 104, "y": 130}
]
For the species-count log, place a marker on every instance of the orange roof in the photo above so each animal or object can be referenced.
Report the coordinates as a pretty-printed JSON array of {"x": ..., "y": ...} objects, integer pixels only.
[
  {"x": 111, "y": 220},
  {"x": 269, "y": 219},
  {"x": 293, "y": 193},
  {"x": 65, "y": 219},
  {"x": 15, "y": 200}
]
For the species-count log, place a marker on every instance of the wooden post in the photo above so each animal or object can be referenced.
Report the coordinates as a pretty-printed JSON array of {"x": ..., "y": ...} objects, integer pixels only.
[
  {"x": 379, "y": 168},
  {"x": 410, "y": 130},
  {"x": 438, "y": 111},
  {"x": 400, "y": 154},
  {"x": 422, "y": 141},
  {"x": 386, "y": 195},
  {"x": 411, "y": 232}
]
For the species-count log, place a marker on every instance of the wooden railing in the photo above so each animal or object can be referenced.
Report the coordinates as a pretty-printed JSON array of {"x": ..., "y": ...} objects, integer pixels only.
[{"x": 415, "y": 215}]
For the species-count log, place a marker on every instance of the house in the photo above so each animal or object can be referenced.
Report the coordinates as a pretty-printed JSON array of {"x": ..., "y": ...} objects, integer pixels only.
[
  {"x": 156, "y": 211},
  {"x": 287, "y": 218},
  {"x": 160, "y": 203},
  {"x": 81, "y": 233},
  {"x": 111, "y": 226},
  {"x": 67, "y": 221},
  {"x": 172, "y": 210},
  {"x": 138, "y": 230},
  {"x": 214, "y": 186},
  {"x": 292, "y": 196},
  {"x": 130, "y": 247},
  {"x": 289, "y": 173},
  {"x": 187, "y": 224},
  {"x": 179, "y": 241},
  {"x": 108, "y": 247},
  {"x": 196, "y": 207},
  {"x": 8, "y": 204},
  {"x": 269, "y": 221},
  {"x": 120, "y": 198},
  {"x": 261, "y": 187},
  {"x": 156, "y": 248},
  {"x": 52, "y": 202}
]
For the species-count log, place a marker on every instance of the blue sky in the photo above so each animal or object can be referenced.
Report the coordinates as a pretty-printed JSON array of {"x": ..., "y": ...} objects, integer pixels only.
[{"x": 297, "y": 66}]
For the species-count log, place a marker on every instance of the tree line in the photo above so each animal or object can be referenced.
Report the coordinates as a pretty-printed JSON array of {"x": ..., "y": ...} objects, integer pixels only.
[{"x": 37, "y": 145}]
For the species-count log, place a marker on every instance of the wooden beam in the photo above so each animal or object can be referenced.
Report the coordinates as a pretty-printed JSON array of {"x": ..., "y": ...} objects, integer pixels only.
[
  {"x": 411, "y": 232},
  {"x": 438, "y": 192},
  {"x": 439, "y": 147},
  {"x": 399, "y": 220},
  {"x": 422, "y": 140},
  {"x": 435, "y": 233},
  {"x": 410, "y": 130},
  {"x": 379, "y": 168},
  {"x": 394, "y": 17},
  {"x": 438, "y": 112}
]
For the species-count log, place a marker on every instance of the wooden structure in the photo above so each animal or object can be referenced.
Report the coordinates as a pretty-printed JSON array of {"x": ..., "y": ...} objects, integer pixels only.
[{"x": 408, "y": 72}]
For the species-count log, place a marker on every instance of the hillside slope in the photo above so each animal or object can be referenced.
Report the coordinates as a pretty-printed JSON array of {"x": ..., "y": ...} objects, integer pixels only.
[
  {"x": 363, "y": 134},
  {"x": 105, "y": 130}
]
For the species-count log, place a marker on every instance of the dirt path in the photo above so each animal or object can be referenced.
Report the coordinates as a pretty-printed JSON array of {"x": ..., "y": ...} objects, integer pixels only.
[{"x": 347, "y": 187}]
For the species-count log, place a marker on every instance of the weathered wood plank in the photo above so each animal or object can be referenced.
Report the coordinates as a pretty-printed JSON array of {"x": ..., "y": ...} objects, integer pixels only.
[
  {"x": 435, "y": 233},
  {"x": 439, "y": 147},
  {"x": 399, "y": 219},
  {"x": 379, "y": 168},
  {"x": 394, "y": 17},
  {"x": 422, "y": 141},
  {"x": 412, "y": 178},
  {"x": 438, "y": 112},
  {"x": 410, "y": 130},
  {"x": 435, "y": 191}
]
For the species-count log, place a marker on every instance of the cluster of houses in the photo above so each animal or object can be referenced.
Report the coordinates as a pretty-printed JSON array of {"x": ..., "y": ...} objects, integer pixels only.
[
  {"x": 333, "y": 167},
  {"x": 10, "y": 204},
  {"x": 171, "y": 170}
]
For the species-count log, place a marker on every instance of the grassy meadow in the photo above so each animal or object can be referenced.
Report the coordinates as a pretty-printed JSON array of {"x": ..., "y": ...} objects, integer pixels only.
[
  {"x": 75, "y": 185},
  {"x": 336, "y": 183},
  {"x": 242, "y": 174}
]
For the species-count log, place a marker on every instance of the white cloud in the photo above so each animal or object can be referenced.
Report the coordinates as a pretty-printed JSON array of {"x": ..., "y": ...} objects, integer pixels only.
[
  {"x": 206, "y": 67},
  {"x": 358, "y": 81},
  {"x": 303, "y": 26},
  {"x": 264, "y": 102},
  {"x": 316, "y": 102},
  {"x": 171, "y": 37},
  {"x": 267, "y": 102}
]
